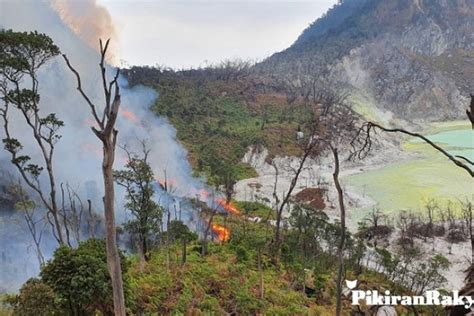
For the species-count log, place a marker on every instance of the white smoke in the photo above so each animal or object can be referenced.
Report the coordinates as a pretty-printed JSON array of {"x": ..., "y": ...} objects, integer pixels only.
[{"x": 78, "y": 153}]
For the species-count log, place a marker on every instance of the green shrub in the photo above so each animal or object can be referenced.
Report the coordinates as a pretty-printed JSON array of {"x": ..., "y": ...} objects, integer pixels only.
[
  {"x": 35, "y": 299},
  {"x": 80, "y": 279}
]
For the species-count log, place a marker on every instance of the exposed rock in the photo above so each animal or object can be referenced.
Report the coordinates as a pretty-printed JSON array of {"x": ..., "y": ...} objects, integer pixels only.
[
  {"x": 386, "y": 311},
  {"x": 414, "y": 58}
]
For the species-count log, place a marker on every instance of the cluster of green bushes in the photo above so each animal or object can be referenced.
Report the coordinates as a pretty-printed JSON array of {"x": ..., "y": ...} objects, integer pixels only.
[
  {"x": 239, "y": 276},
  {"x": 74, "y": 282}
]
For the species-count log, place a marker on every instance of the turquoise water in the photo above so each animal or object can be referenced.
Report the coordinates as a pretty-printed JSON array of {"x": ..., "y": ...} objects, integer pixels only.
[
  {"x": 457, "y": 142},
  {"x": 407, "y": 185}
]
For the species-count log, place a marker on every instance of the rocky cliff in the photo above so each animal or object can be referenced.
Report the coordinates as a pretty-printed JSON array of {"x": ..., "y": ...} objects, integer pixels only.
[{"x": 414, "y": 58}]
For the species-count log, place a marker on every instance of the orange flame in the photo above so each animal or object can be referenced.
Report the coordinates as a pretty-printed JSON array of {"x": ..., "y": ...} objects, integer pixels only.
[
  {"x": 129, "y": 115},
  {"x": 223, "y": 234},
  {"x": 229, "y": 207}
]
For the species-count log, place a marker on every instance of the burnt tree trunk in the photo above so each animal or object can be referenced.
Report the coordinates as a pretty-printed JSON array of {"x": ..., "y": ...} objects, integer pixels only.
[
  {"x": 286, "y": 200},
  {"x": 113, "y": 257},
  {"x": 340, "y": 252},
  {"x": 107, "y": 134}
]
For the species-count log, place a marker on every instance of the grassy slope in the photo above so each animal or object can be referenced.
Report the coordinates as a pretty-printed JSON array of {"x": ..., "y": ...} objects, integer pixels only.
[
  {"x": 216, "y": 284},
  {"x": 227, "y": 279},
  {"x": 220, "y": 119}
]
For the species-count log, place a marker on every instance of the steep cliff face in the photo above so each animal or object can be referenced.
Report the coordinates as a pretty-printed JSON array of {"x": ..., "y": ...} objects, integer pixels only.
[{"x": 414, "y": 58}]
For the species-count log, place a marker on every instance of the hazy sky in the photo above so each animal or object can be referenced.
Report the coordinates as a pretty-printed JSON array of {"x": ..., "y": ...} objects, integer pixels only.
[{"x": 184, "y": 33}]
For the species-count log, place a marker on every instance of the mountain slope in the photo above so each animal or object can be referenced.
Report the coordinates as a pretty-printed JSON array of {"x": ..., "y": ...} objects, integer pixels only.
[{"x": 414, "y": 58}]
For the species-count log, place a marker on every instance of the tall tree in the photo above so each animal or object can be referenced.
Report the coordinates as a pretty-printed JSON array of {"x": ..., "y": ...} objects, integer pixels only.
[
  {"x": 21, "y": 57},
  {"x": 137, "y": 178},
  {"x": 332, "y": 126},
  {"x": 107, "y": 134}
]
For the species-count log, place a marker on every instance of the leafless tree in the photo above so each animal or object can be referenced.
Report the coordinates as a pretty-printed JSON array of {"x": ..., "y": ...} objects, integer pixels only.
[
  {"x": 35, "y": 219},
  {"x": 334, "y": 122},
  {"x": 281, "y": 203},
  {"x": 430, "y": 208},
  {"x": 107, "y": 134},
  {"x": 330, "y": 124},
  {"x": 214, "y": 208},
  {"x": 73, "y": 213},
  {"x": 375, "y": 217},
  {"x": 363, "y": 144},
  {"x": 468, "y": 216},
  {"x": 92, "y": 220},
  {"x": 168, "y": 189},
  {"x": 406, "y": 222}
]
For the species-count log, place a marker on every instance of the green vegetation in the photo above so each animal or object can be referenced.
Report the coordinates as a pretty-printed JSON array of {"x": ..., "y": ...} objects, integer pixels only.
[
  {"x": 74, "y": 282},
  {"x": 225, "y": 280},
  {"x": 255, "y": 209},
  {"x": 247, "y": 269},
  {"x": 229, "y": 278},
  {"x": 137, "y": 178},
  {"x": 236, "y": 276}
]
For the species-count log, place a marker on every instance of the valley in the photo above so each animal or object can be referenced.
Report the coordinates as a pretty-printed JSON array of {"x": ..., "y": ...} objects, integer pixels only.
[{"x": 276, "y": 186}]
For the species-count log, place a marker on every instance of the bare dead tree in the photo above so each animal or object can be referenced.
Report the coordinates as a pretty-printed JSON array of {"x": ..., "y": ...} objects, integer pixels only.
[
  {"x": 330, "y": 124},
  {"x": 91, "y": 220},
  {"x": 35, "y": 219},
  {"x": 281, "y": 204},
  {"x": 168, "y": 189},
  {"x": 468, "y": 217},
  {"x": 365, "y": 141},
  {"x": 335, "y": 126},
  {"x": 375, "y": 218},
  {"x": 207, "y": 230},
  {"x": 430, "y": 207},
  {"x": 470, "y": 111},
  {"x": 342, "y": 208},
  {"x": 107, "y": 134},
  {"x": 73, "y": 212}
]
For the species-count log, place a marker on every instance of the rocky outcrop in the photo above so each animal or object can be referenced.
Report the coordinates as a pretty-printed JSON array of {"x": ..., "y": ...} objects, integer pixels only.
[{"x": 414, "y": 58}]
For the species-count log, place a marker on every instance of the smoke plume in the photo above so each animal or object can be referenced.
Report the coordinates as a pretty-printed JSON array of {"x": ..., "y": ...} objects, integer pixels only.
[
  {"x": 76, "y": 26},
  {"x": 89, "y": 21}
]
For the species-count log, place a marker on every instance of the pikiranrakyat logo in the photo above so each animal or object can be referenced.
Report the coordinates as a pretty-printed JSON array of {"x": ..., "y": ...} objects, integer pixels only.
[{"x": 374, "y": 298}]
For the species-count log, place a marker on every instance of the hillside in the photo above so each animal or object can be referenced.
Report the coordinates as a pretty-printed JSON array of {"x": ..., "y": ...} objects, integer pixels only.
[
  {"x": 219, "y": 112},
  {"x": 239, "y": 188},
  {"x": 397, "y": 60},
  {"x": 411, "y": 57}
]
